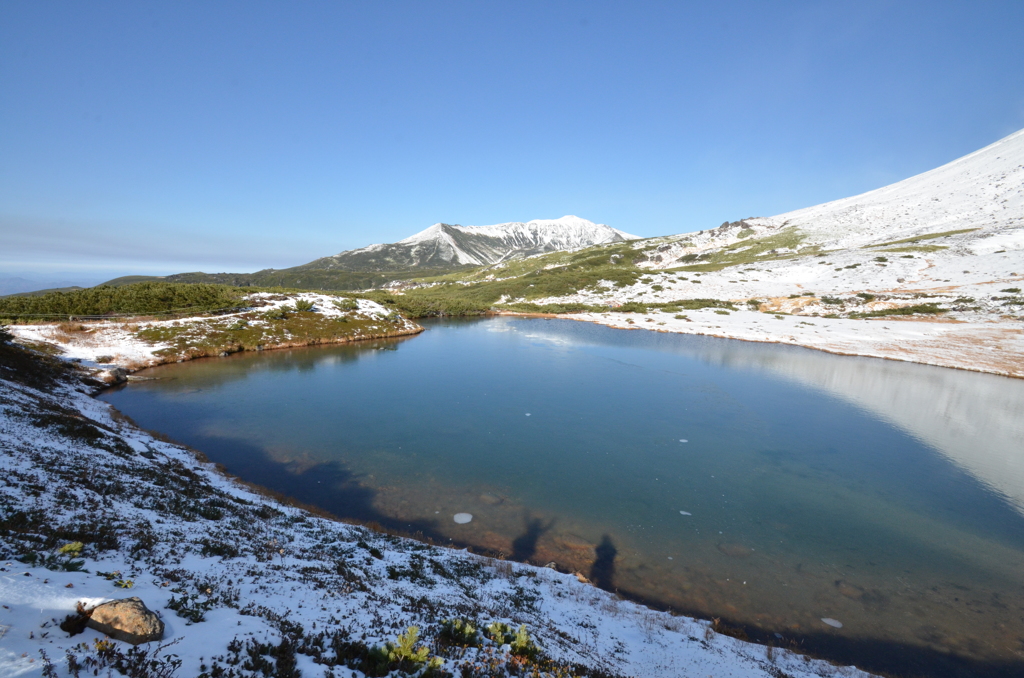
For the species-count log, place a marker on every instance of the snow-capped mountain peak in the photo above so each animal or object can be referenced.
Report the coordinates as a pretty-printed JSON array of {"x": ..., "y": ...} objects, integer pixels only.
[{"x": 446, "y": 245}]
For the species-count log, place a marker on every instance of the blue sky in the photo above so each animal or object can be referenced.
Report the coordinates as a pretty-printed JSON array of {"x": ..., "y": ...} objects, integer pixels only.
[{"x": 163, "y": 137}]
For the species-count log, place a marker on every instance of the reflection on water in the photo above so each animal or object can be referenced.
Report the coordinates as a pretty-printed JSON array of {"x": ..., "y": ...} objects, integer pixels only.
[{"x": 886, "y": 495}]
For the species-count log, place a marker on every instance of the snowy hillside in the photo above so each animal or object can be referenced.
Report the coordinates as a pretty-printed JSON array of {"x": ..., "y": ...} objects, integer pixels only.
[
  {"x": 94, "y": 509},
  {"x": 445, "y": 245},
  {"x": 983, "y": 190},
  {"x": 981, "y": 196}
]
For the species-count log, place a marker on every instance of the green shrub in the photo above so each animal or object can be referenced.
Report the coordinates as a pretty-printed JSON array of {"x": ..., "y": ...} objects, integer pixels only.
[
  {"x": 346, "y": 304},
  {"x": 304, "y": 306},
  {"x": 402, "y": 655},
  {"x": 917, "y": 309},
  {"x": 519, "y": 640},
  {"x": 148, "y": 298},
  {"x": 632, "y": 307},
  {"x": 459, "y": 632}
]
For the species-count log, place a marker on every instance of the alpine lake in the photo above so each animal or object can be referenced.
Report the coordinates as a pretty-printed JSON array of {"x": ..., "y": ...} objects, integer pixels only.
[{"x": 867, "y": 511}]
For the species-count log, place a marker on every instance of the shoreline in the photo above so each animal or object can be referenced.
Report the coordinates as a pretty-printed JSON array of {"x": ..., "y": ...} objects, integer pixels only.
[
  {"x": 959, "y": 349},
  {"x": 186, "y": 524}
]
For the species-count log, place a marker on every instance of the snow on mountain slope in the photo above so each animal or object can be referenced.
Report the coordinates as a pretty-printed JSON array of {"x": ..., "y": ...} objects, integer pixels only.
[
  {"x": 446, "y": 245},
  {"x": 929, "y": 269},
  {"x": 981, "y": 190}
]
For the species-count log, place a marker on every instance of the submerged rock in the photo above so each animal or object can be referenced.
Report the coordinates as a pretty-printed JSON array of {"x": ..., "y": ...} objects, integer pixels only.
[
  {"x": 734, "y": 550},
  {"x": 127, "y": 619}
]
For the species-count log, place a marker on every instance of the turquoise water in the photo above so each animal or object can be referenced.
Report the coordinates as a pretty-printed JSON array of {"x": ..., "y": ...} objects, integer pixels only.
[{"x": 766, "y": 485}]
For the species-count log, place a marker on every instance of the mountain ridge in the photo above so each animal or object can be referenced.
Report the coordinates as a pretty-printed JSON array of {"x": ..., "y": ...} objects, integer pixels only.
[{"x": 442, "y": 245}]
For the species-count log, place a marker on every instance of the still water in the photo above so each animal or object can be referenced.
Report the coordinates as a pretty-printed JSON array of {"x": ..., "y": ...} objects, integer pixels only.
[{"x": 766, "y": 485}]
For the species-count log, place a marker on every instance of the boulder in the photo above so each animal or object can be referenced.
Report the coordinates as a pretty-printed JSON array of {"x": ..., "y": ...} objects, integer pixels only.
[
  {"x": 127, "y": 619},
  {"x": 114, "y": 375}
]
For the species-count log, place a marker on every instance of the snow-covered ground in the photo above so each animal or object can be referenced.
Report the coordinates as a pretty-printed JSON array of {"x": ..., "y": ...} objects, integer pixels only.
[
  {"x": 243, "y": 582},
  {"x": 118, "y": 342},
  {"x": 953, "y": 237}
]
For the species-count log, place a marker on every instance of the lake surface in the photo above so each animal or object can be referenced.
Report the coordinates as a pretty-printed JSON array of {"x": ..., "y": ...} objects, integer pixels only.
[{"x": 766, "y": 485}]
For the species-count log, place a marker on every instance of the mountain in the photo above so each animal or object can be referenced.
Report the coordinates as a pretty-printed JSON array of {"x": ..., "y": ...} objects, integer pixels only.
[
  {"x": 19, "y": 285},
  {"x": 438, "y": 250},
  {"x": 445, "y": 245}
]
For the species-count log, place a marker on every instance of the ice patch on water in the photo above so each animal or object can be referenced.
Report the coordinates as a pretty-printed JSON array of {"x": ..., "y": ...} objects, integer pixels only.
[
  {"x": 832, "y": 622},
  {"x": 683, "y": 440},
  {"x": 462, "y": 518},
  {"x": 685, "y": 513},
  {"x": 527, "y": 414}
]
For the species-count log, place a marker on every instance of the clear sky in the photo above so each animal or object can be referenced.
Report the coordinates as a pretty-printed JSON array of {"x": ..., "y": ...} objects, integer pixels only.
[{"x": 232, "y": 136}]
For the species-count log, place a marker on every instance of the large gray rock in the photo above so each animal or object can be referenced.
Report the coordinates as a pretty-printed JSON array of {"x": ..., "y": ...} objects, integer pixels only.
[
  {"x": 114, "y": 375},
  {"x": 127, "y": 619}
]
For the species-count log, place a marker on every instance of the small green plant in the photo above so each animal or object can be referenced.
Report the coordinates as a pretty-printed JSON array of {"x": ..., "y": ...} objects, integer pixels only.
[
  {"x": 277, "y": 313},
  {"x": 681, "y": 316},
  {"x": 519, "y": 640},
  {"x": 865, "y": 296},
  {"x": 304, "y": 306},
  {"x": 402, "y": 655},
  {"x": 657, "y": 288},
  {"x": 523, "y": 645},
  {"x": 64, "y": 559},
  {"x": 720, "y": 311},
  {"x": 499, "y": 632},
  {"x": 190, "y": 607},
  {"x": 124, "y": 583},
  {"x": 1011, "y": 290},
  {"x": 346, "y": 304},
  {"x": 882, "y": 259},
  {"x": 459, "y": 632}
]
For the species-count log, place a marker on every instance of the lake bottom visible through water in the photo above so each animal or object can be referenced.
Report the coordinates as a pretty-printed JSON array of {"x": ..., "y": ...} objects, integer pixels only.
[{"x": 827, "y": 503}]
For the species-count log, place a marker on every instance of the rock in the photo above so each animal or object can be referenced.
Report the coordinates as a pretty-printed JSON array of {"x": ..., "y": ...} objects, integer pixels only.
[
  {"x": 127, "y": 619},
  {"x": 115, "y": 375},
  {"x": 734, "y": 550},
  {"x": 573, "y": 542},
  {"x": 492, "y": 499}
]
